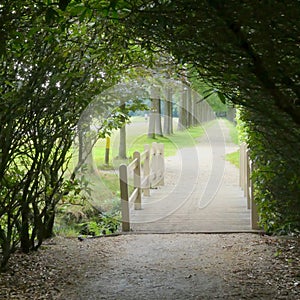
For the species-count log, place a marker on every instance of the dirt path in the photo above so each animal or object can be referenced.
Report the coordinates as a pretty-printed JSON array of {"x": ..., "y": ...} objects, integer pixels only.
[{"x": 157, "y": 266}]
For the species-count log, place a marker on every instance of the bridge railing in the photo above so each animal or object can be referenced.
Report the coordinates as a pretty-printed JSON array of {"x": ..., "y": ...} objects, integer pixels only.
[
  {"x": 246, "y": 183},
  {"x": 147, "y": 169}
]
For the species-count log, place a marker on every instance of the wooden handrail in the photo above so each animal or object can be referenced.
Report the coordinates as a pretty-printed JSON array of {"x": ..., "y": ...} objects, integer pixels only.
[
  {"x": 134, "y": 196},
  {"x": 157, "y": 165},
  {"x": 132, "y": 165},
  {"x": 124, "y": 197},
  {"x": 137, "y": 181},
  {"x": 145, "y": 156},
  {"x": 140, "y": 184}
]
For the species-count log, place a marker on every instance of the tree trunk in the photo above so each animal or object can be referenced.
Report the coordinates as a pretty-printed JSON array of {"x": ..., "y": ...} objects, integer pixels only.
[
  {"x": 6, "y": 245},
  {"x": 168, "y": 117},
  {"x": 231, "y": 113},
  {"x": 188, "y": 107},
  {"x": 155, "y": 114},
  {"x": 49, "y": 223},
  {"x": 182, "y": 122},
  {"x": 24, "y": 234},
  {"x": 151, "y": 128},
  {"x": 195, "y": 106},
  {"x": 158, "y": 126},
  {"x": 122, "y": 145}
]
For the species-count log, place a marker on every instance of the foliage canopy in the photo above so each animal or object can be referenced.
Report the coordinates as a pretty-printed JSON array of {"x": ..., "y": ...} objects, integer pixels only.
[{"x": 55, "y": 56}]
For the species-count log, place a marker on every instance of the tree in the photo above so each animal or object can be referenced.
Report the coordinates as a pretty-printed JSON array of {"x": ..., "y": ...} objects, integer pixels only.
[
  {"x": 253, "y": 60},
  {"x": 122, "y": 144},
  {"x": 168, "y": 112},
  {"x": 155, "y": 127},
  {"x": 235, "y": 48},
  {"x": 183, "y": 110},
  {"x": 55, "y": 58}
]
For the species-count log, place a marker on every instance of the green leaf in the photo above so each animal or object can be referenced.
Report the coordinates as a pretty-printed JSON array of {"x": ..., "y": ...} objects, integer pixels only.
[
  {"x": 221, "y": 97},
  {"x": 63, "y": 4},
  {"x": 51, "y": 15},
  {"x": 77, "y": 10}
]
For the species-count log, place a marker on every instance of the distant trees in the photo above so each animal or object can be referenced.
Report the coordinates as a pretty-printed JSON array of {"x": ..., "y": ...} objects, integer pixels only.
[{"x": 171, "y": 94}]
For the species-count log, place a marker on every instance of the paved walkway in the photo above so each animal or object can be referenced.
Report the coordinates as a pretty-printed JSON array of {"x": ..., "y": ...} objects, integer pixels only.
[{"x": 201, "y": 193}]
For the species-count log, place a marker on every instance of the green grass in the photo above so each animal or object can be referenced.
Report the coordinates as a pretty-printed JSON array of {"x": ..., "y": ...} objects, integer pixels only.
[
  {"x": 234, "y": 158},
  {"x": 180, "y": 139},
  {"x": 232, "y": 132},
  {"x": 172, "y": 143},
  {"x": 135, "y": 119},
  {"x": 104, "y": 190},
  {"x": 104, "y": 197},
  {"x": 64, "y": 230}
]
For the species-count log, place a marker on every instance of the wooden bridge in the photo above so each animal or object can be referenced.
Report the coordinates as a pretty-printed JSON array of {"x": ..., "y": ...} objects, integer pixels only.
[{"x": 201, "y": 191}]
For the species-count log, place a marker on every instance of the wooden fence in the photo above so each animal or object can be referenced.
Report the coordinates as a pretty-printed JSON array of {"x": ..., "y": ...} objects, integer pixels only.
[
  {"x": 246, "y": 183},
  {"x": 147, "y": 169}
]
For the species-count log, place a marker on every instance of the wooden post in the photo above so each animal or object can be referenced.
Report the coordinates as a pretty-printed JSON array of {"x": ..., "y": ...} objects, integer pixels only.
[
  {"x": 137, "y": 180},
  {"x": 189, "y": 110},
  {"x": 242, "y": 166},
  {"x": 107, "y": 147},
  {"x": 245, "y": 170},
  {"x": 153, "y": 172},
  {"x": 124, "y": 198},
  {"x": 160, "y": 164},
  {"x": 202, "y": 112},
  {"x": 146, "y": 188},
  {"x": 240, "y": 170},
  {"x": 254, "y": 211},
  {"x": 248, "y": 174}
]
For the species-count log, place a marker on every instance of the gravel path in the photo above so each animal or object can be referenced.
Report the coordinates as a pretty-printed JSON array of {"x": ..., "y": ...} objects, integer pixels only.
[{"x": 157, "y": 266}]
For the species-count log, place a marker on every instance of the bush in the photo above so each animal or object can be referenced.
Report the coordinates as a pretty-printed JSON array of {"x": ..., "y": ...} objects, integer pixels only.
[
  {"x": 274, "y": 151},
  {"x": 103, "y": 225}
]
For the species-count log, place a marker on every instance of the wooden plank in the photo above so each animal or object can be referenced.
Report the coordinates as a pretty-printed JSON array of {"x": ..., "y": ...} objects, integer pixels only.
[
  {"x": 254, "y": 211},
  {"x": 160, "y": 164},
  {"x": 132, "y": 165},
  {"x": 146, "y": 181},
  {"x": 137, "y": 181},
  {"x": 124, "y": 198},
  {"x": 153, "y": 167},
  {"x": 133, "y": 196},
  {"x": 248, "y": 174},
  {"x": 240, "y": 169},
  {"x": 245, "y": 170}
]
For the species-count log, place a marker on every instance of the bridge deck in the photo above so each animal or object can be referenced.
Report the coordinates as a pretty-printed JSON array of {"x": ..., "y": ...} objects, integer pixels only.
[{"x": 201, "y": 192}]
